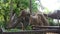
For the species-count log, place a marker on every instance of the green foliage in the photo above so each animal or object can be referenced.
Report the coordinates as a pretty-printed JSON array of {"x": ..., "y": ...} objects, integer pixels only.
[
  {"x": 29, "y": 28},
  {"x": 16, "y": 6},
  {"x": 52, "y": 23},
  {"x": 34, "y": 6},
  {"x": 46, "y": 10}
]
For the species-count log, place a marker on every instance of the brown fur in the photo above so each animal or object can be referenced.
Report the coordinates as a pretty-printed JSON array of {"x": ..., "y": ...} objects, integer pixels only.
[
  {"x": 26, "y": 18},
  {"x": 38, "y": 19}
]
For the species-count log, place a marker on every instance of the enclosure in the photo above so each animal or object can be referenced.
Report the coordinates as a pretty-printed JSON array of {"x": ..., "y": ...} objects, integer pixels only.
[{"x": 29, "y": 17}]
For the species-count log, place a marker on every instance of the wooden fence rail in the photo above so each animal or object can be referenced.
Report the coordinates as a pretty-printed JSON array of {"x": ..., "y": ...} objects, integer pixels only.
[
  {"x": 33, "y": 32},
  {"x": 46, "y": 27},
  {"x": 40, "y": 31}
]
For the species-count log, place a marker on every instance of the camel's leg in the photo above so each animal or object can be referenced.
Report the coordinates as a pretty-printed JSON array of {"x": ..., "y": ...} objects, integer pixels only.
[{"x": 22, "y": 26}]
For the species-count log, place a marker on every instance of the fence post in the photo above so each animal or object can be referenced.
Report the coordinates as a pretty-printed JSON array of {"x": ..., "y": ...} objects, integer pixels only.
[{"x": 31, "y": 6}]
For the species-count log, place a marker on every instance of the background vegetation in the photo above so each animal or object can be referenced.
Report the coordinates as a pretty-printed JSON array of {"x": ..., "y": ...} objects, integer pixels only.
[{"x": 7, "y": 7}]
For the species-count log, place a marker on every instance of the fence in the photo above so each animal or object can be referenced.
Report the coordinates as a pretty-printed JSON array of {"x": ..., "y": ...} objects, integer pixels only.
[{"x": 36, "y": 30}]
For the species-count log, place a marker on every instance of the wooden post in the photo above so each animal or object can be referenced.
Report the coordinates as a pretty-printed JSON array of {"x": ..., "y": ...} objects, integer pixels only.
[
  {"x": 58, "y": 21},
  {"x": 30, "y": 6},
  {"x": 1, "y": 31},
  {"x": 11, "y": 9},
  {"x": 11, "y": 14}
]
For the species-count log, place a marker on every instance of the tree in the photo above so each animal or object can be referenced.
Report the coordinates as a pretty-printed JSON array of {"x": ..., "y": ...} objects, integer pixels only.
[{"x": 7, "y": 8}]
